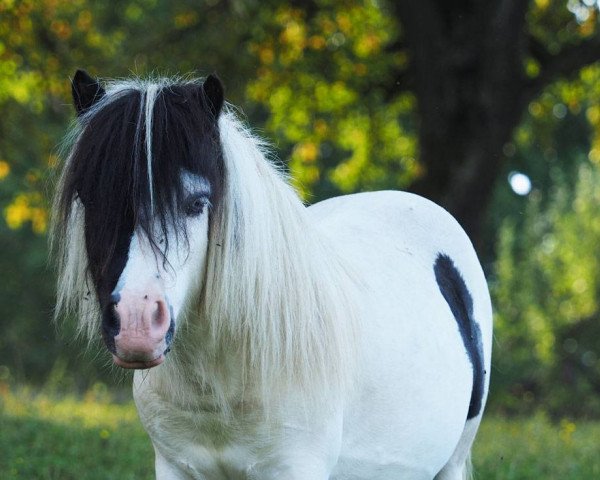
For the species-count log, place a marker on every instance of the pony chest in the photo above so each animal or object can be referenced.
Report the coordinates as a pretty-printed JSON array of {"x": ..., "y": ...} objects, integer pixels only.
[{"x": 203, "y": 444}]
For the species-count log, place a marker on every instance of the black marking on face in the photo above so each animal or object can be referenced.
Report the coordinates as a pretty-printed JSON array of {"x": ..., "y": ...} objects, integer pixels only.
[
  {"x": 455, "y": 292},
  {"x": 111, "y": 323}
]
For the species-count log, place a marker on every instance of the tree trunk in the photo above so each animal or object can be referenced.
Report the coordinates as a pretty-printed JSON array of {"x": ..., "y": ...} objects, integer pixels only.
[{"x": 468, "y": 77}]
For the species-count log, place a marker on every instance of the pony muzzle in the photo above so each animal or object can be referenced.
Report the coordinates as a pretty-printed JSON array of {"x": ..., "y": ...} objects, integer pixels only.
[{"x": 145, "y": 329}]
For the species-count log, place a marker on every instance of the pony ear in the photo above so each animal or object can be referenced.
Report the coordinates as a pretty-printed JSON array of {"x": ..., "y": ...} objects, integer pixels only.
[
  {"x": 214, "y": 93},
  {"x": 86, "y": 91}
]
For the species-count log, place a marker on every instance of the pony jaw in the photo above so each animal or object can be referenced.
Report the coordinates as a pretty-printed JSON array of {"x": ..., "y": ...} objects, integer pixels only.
[{"x": 138, "y": 365}]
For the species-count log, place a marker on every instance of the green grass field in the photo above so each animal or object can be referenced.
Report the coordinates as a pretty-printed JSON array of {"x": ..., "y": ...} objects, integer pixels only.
[{"x": 91, "y": 438}]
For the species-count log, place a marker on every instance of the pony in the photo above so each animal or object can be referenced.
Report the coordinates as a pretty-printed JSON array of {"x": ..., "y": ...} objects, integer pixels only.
[{"x": 350, "y": 339}]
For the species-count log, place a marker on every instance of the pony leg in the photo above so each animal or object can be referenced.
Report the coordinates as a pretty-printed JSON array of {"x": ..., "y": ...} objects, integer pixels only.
[
  {"x": 165, "y": 470},
  {"x": 301, "y": 470},
  {"x": 456, "y": 472},
  {"x": 459, "y": 465}
]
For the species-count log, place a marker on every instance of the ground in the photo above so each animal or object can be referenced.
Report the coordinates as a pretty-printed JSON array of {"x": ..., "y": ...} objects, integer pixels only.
[{"x": 92, "y": 437}]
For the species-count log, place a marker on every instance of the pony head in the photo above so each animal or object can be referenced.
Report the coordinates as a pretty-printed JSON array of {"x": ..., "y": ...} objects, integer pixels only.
[
  {"x": 170, "y": 211},
  {"x": 144, "y": 171}
]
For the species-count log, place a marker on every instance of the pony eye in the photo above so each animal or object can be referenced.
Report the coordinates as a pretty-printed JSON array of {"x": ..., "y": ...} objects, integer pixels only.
[{"x": 194, "y": 205}]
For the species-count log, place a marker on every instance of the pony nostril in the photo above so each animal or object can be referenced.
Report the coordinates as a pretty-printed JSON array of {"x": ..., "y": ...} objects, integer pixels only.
[
  {"x": 111, "y": 323},
  {"x": 160, "y": 315},
  {"x": 115, "y": 298},
  {"x": 169, "y": 335}
]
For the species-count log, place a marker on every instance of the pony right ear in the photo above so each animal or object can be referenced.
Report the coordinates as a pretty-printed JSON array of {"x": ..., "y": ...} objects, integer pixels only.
[
  {"x": 214, "y": 92},
  {"x": 86, "y": 91}
]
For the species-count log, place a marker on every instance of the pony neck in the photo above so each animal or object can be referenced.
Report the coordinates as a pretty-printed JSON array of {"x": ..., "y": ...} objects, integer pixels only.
[{"x": 277, "y": 303}]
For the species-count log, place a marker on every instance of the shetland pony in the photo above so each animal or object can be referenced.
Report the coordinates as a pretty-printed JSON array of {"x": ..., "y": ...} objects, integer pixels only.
[{"x": 347, "y": 340}]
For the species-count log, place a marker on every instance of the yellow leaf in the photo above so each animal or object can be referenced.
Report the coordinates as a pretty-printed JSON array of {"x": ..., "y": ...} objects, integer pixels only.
[{"x": 4, "y": 169}]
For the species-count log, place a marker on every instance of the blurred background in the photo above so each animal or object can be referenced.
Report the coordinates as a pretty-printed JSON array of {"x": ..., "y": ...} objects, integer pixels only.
[{"x": 489, "y": 108}]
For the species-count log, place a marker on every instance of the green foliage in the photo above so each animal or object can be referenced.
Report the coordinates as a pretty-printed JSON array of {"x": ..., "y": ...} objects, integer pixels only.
[
  {"x": 556, "y": 23},
  {"x": 545, "y": 273},
  {"x": 557, "y": 134},
  {"x": 27, "y": 345},
  {"x": 547, "y": 298},
  {"x": 322, "y": 77}
]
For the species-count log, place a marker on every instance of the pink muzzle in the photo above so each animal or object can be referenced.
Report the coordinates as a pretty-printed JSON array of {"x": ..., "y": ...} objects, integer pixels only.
[{"x": 146, "y": 329}]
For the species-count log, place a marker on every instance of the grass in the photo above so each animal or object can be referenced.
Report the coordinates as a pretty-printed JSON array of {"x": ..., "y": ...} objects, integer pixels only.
[
  {"x": 89, "y": 438},
  {"x": 535, "y": 448}
]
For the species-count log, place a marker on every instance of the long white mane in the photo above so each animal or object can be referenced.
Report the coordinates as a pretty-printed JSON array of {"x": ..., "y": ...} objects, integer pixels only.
[
  {"x": 274, "y": 286},
  {"x": 275, "y": 291}
]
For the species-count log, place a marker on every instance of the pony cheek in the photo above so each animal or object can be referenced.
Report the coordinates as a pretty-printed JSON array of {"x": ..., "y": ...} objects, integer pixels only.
[{"x": 188, "y": 278}]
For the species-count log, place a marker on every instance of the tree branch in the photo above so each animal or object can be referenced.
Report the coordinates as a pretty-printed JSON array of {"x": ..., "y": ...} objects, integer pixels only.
[
  {"x": 564, "y": 64},
  {"x": 538, "y": 51},
  {"x": 511, "y": 12}
]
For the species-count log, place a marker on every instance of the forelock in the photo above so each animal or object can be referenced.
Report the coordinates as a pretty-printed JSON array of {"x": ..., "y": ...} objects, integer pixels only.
[{"x": 126, "y": 162}]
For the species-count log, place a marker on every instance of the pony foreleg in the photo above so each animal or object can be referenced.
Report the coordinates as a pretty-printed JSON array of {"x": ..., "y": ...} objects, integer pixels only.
[
  {"x": 304, "y": 469},
  {"x": 167, "y": 471}
]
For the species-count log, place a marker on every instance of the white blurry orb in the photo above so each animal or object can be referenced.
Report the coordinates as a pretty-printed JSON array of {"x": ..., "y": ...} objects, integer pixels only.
[{"x": 519, "y": 182}]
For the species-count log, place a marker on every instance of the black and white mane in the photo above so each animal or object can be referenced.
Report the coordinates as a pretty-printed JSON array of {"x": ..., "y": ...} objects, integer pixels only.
[{"x": 125, "y": 166}]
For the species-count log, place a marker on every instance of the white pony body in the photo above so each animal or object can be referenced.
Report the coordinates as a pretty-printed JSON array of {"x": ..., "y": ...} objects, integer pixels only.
[
  {"x": 312, "y": 343},
  {"x": 405, "y": 415}
]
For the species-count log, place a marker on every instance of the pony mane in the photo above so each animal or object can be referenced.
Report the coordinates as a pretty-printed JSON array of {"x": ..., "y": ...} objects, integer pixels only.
[
  {"x": 274, "y": 286},
  {"x": 274, "y": 290}
]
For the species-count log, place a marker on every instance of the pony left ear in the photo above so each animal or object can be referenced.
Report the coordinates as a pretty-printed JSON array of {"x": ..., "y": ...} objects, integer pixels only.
[
  {"x": 86, "y": 91},
  {"x": 214, "y": 93}
]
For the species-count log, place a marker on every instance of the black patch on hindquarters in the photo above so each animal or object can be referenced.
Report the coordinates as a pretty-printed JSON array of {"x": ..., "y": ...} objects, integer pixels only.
[{"x": 457, "y": 295}]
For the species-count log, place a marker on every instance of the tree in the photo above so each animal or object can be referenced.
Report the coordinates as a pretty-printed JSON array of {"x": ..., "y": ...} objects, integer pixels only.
[
  {"x": 355, "y": 95},
  {"x": 472, "y": 66},
  {"x": 546, "y": 291}
]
